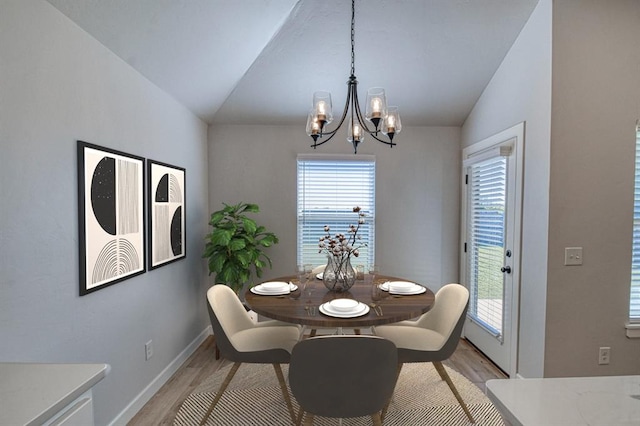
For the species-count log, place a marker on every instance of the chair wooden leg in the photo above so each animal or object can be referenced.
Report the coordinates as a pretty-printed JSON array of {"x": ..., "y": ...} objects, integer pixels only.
[
  {"x": 313, "y": 332},
  {"x": 223, "y": 386},
  {"x": 356, "y": 331},
  {"x": 445, "y": 376},
  {"x": 299, "y": 417},
  {"x": 308, "y": 419},
  {"x": 285, "y": 392},
  {"x": 377, "y": 420},
  {"x": 386, "y": 407}
]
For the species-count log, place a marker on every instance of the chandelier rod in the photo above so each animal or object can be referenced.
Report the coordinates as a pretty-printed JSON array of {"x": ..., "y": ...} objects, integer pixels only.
[
  {"x": 352, "y": 99},
  {"x": 353, "y": 84},
  {"x": 353, "y": 34}
]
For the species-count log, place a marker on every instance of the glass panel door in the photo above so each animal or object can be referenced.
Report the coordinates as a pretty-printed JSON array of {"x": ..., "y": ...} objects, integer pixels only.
[
  {"x": 486, "y": 245},
  {"x": 490, "y": 253}
]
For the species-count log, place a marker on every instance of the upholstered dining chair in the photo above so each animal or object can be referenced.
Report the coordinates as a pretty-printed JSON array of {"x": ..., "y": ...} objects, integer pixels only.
[
  {"x": 342, "y": 376},
  {"x": 434, "y": 336},
  {"x": 246, "y": 308},
  {"x": 241, "y": 340}
]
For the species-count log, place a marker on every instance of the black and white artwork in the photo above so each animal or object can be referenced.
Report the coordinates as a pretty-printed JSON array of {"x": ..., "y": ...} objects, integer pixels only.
[
  {"x": 111, "y": 216},
  {"x": 166, "y": 213}
]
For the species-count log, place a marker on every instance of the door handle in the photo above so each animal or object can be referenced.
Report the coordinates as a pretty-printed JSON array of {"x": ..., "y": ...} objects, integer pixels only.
[{"x": 506, "y": 269}]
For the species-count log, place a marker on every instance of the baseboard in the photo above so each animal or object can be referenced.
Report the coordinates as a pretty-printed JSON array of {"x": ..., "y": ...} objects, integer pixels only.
[{"x": 152, "y": 388}]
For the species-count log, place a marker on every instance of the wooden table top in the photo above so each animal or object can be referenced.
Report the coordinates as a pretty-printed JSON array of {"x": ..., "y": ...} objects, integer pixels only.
[{"x": 293, "y": 307}]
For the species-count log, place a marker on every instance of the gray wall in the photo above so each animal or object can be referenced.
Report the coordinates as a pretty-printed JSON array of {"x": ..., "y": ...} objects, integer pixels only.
[
  {"x": 417, "y": 192},
  {"x": 596, "y": 102},
  {"x": 57, "y": 85},
  {"x": 521, "y": 91},
  {"x": 579, "y": 170}
]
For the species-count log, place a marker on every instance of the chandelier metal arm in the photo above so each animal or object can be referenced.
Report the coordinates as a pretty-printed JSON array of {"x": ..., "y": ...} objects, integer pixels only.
[
  {"x": 316, "y": 125},
  {"x": 351, "y": 83},
  {"x": 363, "y": 123},
  {"x": 353, "y": 102}
]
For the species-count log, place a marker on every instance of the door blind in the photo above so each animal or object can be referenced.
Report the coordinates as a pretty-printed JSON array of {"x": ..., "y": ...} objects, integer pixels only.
[
  {"x": 487, "y": 196},
  {"x": 328, "y": 189}
]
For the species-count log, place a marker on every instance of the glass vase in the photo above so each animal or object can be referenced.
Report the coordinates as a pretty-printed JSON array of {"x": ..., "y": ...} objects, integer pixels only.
[{"x": 338, "y": 275}]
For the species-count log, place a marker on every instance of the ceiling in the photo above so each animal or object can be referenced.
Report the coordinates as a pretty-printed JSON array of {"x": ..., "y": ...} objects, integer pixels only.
[{"x": 259, "y": 61}]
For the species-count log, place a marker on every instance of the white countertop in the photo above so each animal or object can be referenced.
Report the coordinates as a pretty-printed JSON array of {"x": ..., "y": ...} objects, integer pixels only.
[
  {"x": 32, "y": 393},
  {"x": 594, "y": 401}
]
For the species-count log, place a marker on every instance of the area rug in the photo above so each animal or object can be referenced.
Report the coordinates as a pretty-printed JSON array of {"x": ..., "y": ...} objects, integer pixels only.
[{"x": 254, "y": 398}]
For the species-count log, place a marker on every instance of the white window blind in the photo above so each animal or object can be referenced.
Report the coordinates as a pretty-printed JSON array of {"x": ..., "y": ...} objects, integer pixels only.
[
  {"x": 487, "y": 194},
  {"x": 328, "y": 190},
  {"x": 634, "y": 304}
]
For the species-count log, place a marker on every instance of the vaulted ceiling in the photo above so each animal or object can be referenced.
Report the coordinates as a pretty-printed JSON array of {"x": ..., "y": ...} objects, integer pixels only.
[{"x": 259, "y": 61}]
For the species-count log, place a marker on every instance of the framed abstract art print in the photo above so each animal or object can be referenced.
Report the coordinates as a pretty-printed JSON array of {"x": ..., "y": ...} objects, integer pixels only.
[
  {"x": 111, "y": 216},
  {"x": 167, "y": 213}
]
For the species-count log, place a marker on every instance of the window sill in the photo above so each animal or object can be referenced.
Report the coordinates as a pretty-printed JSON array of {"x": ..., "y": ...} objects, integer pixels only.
[{"x": 633, "y": 330}]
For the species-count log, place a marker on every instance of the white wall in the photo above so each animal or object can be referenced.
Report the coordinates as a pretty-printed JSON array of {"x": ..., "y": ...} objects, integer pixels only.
[
  {"x": 596, "y": 102},
  {"x": 58, "y": 85},
  {"x": 520, "y": 91},
  {"x": 417, "y": 192}
]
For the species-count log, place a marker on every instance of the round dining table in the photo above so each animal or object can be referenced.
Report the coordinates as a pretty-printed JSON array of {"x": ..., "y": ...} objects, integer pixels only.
[{"x": 302, "y": 305}]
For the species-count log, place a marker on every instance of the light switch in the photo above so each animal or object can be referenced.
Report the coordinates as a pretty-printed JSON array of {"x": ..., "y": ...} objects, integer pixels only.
[{"x": 573, "y": 256}]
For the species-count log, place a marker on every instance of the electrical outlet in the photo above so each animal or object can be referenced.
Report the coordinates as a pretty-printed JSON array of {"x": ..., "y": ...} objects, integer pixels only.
[
  {"x": 573, "y": 256},
  {"x": 604, "y": 355},
  {"x": 148, "y": 350}
]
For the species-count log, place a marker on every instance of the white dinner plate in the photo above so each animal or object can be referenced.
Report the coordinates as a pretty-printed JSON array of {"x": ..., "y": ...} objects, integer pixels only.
[
  {"x": 411, "y": 290},
  {"x": 256, "y": 290},
  {"x": 274, "y": 286},
  {"x": 385, "y": 285},
  {"x": 362, "y": 309},
  {"x": 273, "y": 290},
  {"x": 401, "y": 285},
  {"x": 418, "y": 290},
  {"x": 343, "y": 305}
]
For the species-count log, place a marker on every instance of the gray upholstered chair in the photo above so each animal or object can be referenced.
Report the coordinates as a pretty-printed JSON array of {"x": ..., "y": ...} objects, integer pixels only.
[
  {"x": 239, "y": 340},
  {"x": 343, "y": 376},
  {"x": 434, "y": 336}
]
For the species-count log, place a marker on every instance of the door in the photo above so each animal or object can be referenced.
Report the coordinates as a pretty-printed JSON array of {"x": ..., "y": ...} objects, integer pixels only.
[{"x": 490, "y": 249}]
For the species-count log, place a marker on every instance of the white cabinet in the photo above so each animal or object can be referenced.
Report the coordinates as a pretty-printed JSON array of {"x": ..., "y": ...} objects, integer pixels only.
[
  {"x": 79, "y": 413},
  {"x": 48, "y": 394}
]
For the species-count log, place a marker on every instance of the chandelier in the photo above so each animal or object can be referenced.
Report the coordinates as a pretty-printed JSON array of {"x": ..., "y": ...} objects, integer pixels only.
[{"x": 384, "y": 119}]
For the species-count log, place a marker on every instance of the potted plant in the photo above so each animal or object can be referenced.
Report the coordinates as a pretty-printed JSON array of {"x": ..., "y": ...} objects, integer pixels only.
[{"x": 235, "y": 245}]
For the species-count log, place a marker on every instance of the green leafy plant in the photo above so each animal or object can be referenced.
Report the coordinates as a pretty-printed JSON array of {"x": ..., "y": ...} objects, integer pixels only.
[{"x": 235, "y": 245}]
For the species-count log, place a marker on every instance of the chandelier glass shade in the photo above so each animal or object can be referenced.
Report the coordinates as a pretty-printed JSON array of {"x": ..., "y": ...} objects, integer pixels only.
[{"x": 383, "y": 119}]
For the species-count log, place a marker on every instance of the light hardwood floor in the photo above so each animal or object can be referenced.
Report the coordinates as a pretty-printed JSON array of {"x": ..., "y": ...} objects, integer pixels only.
[{"x": 164, "y": 405}]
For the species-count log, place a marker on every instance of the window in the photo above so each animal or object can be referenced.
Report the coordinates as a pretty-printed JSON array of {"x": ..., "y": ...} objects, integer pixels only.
[
  {"x": 634, "y": 304},
  {"x": 486, "y": 205},
  {"x": 328, "y": 189}
]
